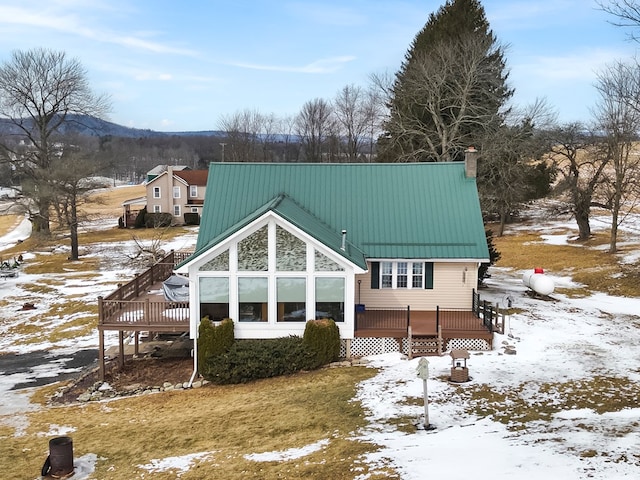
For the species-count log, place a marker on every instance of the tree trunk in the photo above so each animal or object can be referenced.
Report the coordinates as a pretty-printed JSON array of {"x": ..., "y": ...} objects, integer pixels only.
[
  {"x": 40, "y": 221},
  {"x": 615, "y": 210},
  {"x": 581, "y": 212},
  {"x": 503, "y": 221},
  {"x": 73, "y": 229}
]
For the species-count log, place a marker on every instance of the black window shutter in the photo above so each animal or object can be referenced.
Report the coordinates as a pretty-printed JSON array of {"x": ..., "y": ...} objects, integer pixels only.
[
  {"x": 428, "y": 275},
  {"x": 375, "y": 274}
]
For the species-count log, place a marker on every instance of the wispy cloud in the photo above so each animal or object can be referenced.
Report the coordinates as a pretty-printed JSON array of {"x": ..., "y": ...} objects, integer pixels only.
[
  {"x": 324, "y": 65},
  {"x": 58, "y": 20},
  {"x": 575, "y": 66}
]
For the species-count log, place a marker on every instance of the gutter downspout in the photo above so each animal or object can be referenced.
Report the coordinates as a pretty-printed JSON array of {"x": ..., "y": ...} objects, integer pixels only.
[
  {"x": 195, "y": 340},
  {"x": 195, "y": 361}
]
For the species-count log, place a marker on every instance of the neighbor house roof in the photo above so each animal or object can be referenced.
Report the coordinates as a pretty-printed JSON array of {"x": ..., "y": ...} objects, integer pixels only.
[
  {"x": 193, "y": 177},
  {"x": 400, "y": 210},
  {"x": 160, "y": 169}
]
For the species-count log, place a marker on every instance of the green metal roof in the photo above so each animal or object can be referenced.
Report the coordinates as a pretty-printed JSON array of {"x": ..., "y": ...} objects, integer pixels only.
[{"x": 399, "y": 210}]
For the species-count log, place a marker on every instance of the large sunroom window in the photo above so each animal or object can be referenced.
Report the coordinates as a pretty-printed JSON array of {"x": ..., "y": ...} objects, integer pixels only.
[
  {"x": 214, "y": 298},
  {"x": 330, "y": 298},
  {"x": 292, "y": 294},
  {"x": 253, "y": 299}
]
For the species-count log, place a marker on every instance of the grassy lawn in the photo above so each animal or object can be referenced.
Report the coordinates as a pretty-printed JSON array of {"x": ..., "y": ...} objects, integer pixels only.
[{"x": 228, "y": 421}]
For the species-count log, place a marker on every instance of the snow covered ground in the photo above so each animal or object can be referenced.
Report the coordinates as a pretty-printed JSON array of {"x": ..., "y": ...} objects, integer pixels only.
[{"x": 564, "y": 406}]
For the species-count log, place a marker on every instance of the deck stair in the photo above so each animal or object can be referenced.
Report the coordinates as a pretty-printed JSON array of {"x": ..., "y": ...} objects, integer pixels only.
[{"x": 422, "y": 344}]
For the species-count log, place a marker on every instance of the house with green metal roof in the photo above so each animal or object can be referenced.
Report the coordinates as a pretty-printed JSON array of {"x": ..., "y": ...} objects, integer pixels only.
[{"x": 282, "y": 243}]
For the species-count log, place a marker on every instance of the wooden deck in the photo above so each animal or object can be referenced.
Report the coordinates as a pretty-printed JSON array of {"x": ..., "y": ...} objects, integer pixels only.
[
  {"x": 452, "y": 324},
  {"x": 139, "y": 305}
]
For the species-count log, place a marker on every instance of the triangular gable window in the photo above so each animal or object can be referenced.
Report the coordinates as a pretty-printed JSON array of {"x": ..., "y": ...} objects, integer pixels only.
[
  {"x": 325, "y": 264},
  {"x": 253, "y": 252},
  {"x": 291, "y": 252},
  {"x": 219, "y": 263}
]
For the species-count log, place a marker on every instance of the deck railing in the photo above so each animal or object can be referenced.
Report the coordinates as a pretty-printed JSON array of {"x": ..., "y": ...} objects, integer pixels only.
[
  {"x": 123, "y": 307},
  {"x": 458, "y": 319},
  {"x": 491, "y": 316},
  {"x": 144, "y": 313},
  {"x": 157, "y": 273},
  {"x": 492, "y": 320},
  {"x": 383, "y": 319}
]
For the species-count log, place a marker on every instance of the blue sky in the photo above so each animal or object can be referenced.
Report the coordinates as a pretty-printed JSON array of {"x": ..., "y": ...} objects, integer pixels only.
[{"x": 177, "y": 66}]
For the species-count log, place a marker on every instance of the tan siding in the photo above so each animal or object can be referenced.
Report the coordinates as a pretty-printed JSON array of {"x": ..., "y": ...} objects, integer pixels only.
[{"x": 449, "y": 290}]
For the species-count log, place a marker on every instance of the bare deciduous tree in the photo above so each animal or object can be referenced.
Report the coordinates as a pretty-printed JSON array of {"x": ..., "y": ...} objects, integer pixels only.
[
  {"x": 72, "y": 177},
  {"x": 243, "y": 129},
  {"x": 509, "y": 172},
  {"x": 576, "y": 154},
  {"x": 354, "y": 115},
  {"x": 39, "y": 90},
  {"x": 314, "y": 125},
  {"x": 618, "y": 113},
  {"x": 626, "y": 11}
]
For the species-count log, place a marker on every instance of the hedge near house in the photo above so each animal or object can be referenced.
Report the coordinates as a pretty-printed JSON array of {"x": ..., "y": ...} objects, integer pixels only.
[
  {"x": 322, "y": 337},
  {"x": 213, "y": 340},
  {"x": 249, "y": 360}
]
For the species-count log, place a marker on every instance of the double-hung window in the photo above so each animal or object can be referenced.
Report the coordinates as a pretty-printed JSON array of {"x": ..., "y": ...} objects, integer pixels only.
[
  {"x": 404, "y": 275},
  {"x": 156, "y": 192}
]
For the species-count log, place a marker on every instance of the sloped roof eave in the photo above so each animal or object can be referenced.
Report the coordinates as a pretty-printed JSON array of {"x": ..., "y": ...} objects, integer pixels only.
[{"x": 357, "y": 259}]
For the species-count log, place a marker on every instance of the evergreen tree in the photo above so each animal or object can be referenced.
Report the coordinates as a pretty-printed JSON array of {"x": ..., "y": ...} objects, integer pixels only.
[{"x": 450, "y": 89}]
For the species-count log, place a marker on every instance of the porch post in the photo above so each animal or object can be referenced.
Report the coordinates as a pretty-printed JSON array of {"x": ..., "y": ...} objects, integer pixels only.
[
  {"x": 121, "y": 348},
  {"x": 101, "y": 353}
]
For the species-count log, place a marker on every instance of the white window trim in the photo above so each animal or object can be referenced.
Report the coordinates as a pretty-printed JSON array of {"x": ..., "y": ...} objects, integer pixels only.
[
  {"x": 310, "y": 275},
  {"x": 156, "y": 192},
  {"x": 157, "y": 209},
  {"x": 176, "y": 192},
  {"x": 177, "y": 210},
  {"x": 193, "y": 191}
]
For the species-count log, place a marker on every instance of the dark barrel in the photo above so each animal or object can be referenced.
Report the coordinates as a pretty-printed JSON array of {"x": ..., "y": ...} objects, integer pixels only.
[{"x": 61, "y": 456}]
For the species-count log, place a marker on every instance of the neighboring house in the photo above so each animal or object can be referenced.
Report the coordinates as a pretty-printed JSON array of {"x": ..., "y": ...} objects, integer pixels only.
[
  {"x": 171, "y": 189},
  {"x": 283, "y": 243}
]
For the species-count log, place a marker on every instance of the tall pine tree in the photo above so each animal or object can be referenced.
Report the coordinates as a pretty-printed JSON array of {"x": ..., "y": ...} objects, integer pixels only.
[{"x": 450, "y": 89}]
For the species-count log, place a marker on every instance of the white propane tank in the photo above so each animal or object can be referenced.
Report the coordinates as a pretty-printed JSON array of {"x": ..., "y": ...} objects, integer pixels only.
[{"x": 537, "y": 281}]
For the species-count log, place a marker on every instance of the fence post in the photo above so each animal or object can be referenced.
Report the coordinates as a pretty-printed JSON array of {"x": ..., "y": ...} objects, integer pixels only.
[
  {"x": 437, "y": 317},
  {"x": 100, "y": 310}
]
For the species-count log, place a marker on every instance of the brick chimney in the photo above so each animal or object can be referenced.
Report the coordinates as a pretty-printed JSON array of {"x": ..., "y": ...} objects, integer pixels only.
[{"x": 471, "y": 162}]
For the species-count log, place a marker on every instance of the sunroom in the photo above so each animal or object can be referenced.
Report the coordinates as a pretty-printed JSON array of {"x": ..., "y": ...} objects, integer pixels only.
[{"x": 270, "y": 277}]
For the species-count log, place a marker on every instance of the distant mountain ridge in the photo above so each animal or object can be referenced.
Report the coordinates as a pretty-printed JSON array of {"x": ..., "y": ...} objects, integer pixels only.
[{"x": 97, "y": 127}]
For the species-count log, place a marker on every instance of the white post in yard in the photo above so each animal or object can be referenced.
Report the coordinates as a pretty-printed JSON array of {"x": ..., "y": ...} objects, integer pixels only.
[{"x": 423, "y": 373}]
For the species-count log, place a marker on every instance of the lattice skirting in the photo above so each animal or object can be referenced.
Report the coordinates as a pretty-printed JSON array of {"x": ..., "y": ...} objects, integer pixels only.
[
  {"x": 362, "y": 347},
  {"x": 467, "y": 344}
]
